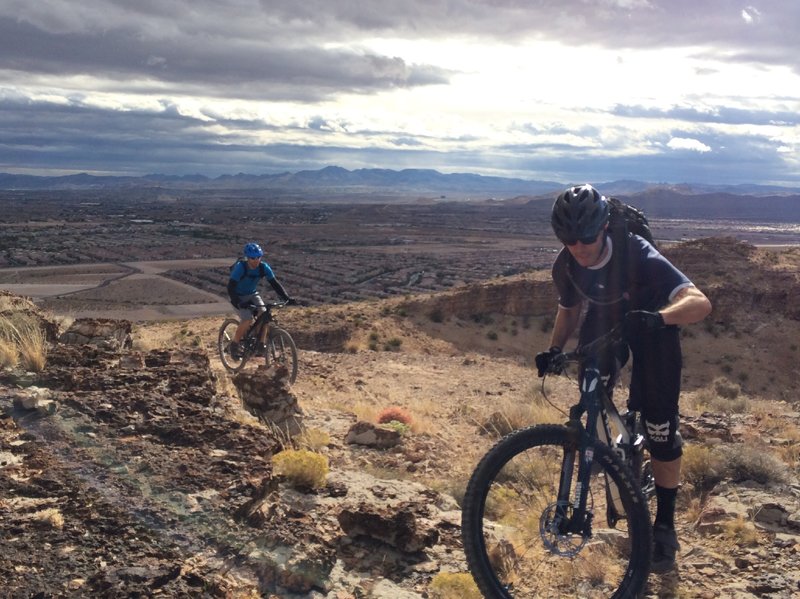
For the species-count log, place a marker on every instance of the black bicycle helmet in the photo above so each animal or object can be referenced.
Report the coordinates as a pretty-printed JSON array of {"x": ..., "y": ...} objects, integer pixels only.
[{"x": 579, "y": 213}]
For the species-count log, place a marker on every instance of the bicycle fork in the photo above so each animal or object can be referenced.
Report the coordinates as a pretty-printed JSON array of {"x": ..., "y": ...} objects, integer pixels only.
[{"x": 575, "y": 516}]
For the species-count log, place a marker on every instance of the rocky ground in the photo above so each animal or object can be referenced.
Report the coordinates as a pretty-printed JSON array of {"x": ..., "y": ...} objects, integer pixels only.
[{"x": 135, "y": 471}]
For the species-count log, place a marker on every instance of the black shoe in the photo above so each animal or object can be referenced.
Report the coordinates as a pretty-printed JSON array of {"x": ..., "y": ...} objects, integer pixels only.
[
  {"x": 665, "y": 544},
  {"x": 236, "y": 351}
]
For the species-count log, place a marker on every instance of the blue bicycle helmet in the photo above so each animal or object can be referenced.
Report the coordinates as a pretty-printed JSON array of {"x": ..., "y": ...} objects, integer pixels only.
[{"x": 253, "y": 250}]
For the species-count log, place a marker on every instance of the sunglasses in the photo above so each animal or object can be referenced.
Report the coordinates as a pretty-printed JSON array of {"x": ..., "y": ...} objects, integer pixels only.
[{"x": 583, "y": 240}]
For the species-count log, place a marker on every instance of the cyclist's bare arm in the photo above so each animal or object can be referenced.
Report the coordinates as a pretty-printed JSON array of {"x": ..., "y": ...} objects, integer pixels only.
[
  {"x": 567, "y": 320},
  {"x": 689, "y": 305}
]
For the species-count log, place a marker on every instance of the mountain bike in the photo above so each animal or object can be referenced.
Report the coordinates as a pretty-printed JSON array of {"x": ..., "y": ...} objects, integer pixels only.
[
  {"x": 561, "y": 510},
  {"x": 278, "y": 346}
]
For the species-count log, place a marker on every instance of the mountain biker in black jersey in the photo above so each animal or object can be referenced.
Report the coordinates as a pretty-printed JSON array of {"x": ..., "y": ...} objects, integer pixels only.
[
  {"x": 243, "y": 290},
  {"x": 627, "y": 281}
]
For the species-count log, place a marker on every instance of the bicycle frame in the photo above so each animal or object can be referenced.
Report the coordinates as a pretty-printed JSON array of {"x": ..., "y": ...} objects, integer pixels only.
[
  {"x": 602, "y": 421},
  {"x": 264, "y": 320}
]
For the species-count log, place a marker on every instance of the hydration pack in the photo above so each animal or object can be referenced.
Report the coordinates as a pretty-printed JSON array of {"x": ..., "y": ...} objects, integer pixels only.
[
  {"x": 624, "y": 218},
  {"x": 262, "y": 268}
]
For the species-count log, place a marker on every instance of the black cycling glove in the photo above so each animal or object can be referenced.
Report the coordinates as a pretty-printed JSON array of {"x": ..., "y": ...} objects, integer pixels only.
[
  {"x": 544, "y": 361},
  {"x": 642, "y": 321}
]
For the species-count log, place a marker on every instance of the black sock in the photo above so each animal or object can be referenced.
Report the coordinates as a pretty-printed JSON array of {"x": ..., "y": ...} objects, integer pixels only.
[{"x": 665, "y": 511}]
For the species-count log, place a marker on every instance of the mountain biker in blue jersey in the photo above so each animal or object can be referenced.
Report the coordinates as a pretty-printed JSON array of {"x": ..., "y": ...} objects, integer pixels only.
[
  {"x": 626, "y": 281},
  {"x": 243, "y": 290}
]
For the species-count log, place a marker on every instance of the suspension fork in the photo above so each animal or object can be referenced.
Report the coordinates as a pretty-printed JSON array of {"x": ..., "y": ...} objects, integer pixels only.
[{"x": 580, "y": 520}]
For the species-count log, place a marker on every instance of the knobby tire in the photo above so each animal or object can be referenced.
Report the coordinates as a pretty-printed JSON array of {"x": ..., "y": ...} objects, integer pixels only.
[
  {"x": 514, "y": 488},
  {"x": 282, "y": 349},
  {"x": 224, "y": 339}
]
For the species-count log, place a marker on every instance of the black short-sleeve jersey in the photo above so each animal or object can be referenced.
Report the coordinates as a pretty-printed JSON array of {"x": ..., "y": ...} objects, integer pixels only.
[{"x": 638, "y": 277}]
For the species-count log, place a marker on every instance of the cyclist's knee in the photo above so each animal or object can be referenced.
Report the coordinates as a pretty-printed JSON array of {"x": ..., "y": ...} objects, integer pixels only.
[{"x": 664, "y": 439}]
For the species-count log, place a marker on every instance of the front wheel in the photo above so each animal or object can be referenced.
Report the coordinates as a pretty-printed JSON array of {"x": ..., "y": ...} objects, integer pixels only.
[
  {"x": 281, "y": 350},
  {"x": 224, "y": 339},
  {"x": 514, "y": 528}
]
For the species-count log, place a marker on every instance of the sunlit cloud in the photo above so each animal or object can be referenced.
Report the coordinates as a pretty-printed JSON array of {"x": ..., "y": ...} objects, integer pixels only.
[
  {"x": 685, "y": 143},
  {"x": 750, "y": 15}
]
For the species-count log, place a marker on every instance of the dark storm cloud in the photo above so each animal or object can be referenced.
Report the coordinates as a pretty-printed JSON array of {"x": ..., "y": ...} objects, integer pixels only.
[
  {"x": 243, "y": 43},
  {"x": 763, "y": 31},
  {"x": 230, "y": 68}
]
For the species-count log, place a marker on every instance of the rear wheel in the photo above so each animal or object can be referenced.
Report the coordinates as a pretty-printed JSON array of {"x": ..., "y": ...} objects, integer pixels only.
[
  {"x": 282, "y": 351},
  {"x": 224, "y": 340},
  {"x": 514, "y": 528}
]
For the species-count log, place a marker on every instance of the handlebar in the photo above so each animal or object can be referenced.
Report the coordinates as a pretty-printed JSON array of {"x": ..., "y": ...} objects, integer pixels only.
[
  {"x": 255, "y": 308},
  {"x": 580, "y": 353}
]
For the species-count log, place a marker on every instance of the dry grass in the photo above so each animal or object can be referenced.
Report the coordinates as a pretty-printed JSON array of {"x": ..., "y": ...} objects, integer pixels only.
[
  {"x": 452, "y": 585},
  {"x": 313, "y": 439},
  {"x": 9, "y": 356},
  {"x": 51, "y": 517},
  {"x": 721, "y": 396},
  {"x": 147, "y": 339},
  {"x": 509, "y": 415},
  {"x": 24, "y": 342},
  {"x": 741, "y": 531}
]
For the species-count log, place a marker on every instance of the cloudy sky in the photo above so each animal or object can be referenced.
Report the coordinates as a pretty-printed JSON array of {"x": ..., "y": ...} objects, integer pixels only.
[{"x": 566, "y": 90}]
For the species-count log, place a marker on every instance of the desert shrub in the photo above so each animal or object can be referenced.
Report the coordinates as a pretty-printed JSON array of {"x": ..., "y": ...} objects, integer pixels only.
[
  {"x": 726, "y": 388},
  {"x": 722, "y": 396},
  {"x": 393, "y": 344},
  {"x": 303, "y": 469},
  {"x": 454, "y": 585},
  {"x": 702, "y": 467},
  {"x": 753, "y": 463},
  {"x": 395, "y": 413},
  {"x": 492, "y": 335},
  {"x": 400, "y": 427},
  {"x": 436, "y": 315}
]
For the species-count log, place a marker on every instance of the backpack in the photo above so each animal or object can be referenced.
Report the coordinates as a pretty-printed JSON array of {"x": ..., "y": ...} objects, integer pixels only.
[
  {"x": 262, "y": 269},
  {"x": 624, "y": 218}
]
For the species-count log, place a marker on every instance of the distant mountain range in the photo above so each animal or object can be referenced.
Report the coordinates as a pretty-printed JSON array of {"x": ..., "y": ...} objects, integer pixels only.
[{"x": 389, "y": 182}]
